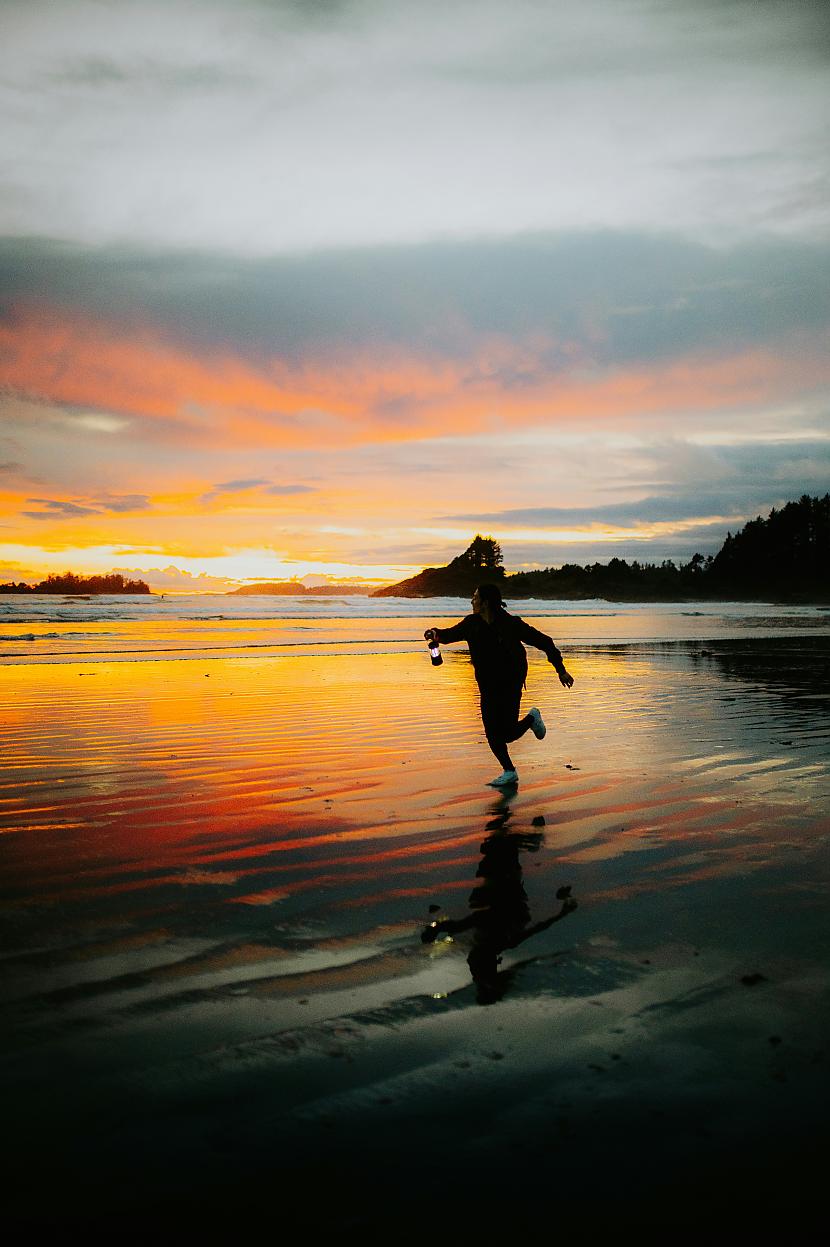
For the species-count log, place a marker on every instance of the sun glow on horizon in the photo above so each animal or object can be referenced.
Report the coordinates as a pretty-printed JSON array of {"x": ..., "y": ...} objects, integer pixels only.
[
  {"x": 174, "y": 573},
  {"x": 236, "y": 569}
]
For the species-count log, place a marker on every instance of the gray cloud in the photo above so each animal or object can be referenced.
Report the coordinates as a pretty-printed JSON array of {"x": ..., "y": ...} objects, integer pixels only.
[
  {"x": 123, "y": 503},
  {"x": 600, "y": 299},
  {"x": 747, "y": 478},
  {"x": 652, "y": 510},
  {"x": 751, "y": 464},
  {"x": 232, "y": 487},
  {"x": 644, "y": 511},
  {"x": 153, "y": 75},
  {"x": 185, "y": 123},
  {"x": 239, "y": 486},
  {"x": 56, "y": 509},
  {"x": 63, "y": 509}
]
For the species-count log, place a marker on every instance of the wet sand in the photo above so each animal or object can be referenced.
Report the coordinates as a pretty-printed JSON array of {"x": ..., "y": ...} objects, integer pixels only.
[{"x": 219, "y": 1007}]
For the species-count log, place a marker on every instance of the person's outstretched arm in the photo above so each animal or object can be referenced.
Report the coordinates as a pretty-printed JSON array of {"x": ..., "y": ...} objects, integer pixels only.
[
  {"x": 451, "y": 925},
  {"x": 446, "y": 636},
  {"x": 567, "y": 908},
  {"x": 540, "y": 641}
]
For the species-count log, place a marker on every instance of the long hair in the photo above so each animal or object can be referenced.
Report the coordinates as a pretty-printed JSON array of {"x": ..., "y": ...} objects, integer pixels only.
[{"x": 491, "y": 596}]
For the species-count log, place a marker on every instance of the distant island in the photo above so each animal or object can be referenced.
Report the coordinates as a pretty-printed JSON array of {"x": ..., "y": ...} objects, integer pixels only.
[
  {"x": 784, "y": 558},
  {"x": 294, "y": 588},
  {"x": 70, "y": 585}
]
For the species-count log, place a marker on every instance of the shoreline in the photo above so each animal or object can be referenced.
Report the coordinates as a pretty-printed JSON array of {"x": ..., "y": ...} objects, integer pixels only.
[{"x": 791, "y": 599}]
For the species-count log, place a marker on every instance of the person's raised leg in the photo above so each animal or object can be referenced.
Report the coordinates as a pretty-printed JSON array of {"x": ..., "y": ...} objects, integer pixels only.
[
  {"x": 493, "y": 718},
  {"x": 519, "y": 728},
  {"x": 514, "y": 727}
]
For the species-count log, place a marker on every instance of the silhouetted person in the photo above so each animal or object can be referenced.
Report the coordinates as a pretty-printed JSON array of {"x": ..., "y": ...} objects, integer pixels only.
[
  {"x": 500, "y": 664},
  {"x": 500, "y": 916}
]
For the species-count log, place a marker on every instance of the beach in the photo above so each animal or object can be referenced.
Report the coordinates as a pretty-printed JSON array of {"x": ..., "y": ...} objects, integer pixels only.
[{"x": 223, "y": 847}]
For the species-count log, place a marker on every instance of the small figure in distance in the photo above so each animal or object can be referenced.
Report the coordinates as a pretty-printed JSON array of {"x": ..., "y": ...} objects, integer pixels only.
[{"x": 500, "y": 664}]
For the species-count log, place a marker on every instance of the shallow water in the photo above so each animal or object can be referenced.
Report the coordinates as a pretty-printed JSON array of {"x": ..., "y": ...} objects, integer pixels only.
[{"x": 42, "y": 628}]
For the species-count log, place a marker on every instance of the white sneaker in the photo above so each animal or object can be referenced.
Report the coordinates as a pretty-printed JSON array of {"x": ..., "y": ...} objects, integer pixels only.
[
  {"x": 502, "y": 781},
  {"x": 538, "y": 724}
]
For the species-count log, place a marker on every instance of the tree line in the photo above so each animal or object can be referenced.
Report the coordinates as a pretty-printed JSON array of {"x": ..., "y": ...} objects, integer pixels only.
[
  {"x": 69, "y": 583},
  {"x": 783, "y": 557}
]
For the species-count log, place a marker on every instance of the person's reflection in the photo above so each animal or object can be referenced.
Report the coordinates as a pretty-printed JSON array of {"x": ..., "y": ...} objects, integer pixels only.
[{"x": 500, "y": 913}]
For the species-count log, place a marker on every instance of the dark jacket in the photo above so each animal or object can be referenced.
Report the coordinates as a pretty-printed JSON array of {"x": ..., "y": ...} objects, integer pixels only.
[{"x": 498, "y": 655}]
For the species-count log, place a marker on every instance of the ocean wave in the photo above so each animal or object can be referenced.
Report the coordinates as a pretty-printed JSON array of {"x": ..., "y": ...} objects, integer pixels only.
[
  {"x": 188, "y": 626},
  {"x": 202, "y": 608},
  {"x": 52, "y": 636}
]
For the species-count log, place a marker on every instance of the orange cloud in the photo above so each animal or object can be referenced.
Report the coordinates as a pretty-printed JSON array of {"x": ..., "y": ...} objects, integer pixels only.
[
  {"x": 84, "y": 363},
  {"x": 230, "y": 401}
]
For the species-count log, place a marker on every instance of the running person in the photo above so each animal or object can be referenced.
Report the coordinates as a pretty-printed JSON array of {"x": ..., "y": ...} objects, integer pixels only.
[{"x": 500, "y": 664}]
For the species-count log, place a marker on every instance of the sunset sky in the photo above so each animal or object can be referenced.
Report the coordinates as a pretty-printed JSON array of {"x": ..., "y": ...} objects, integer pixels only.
[{"x": 324, "y": 287}]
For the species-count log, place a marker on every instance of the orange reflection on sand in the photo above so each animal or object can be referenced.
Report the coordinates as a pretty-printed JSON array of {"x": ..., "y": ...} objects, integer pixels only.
[
  {"x": 268, "y": 779},
  {"x": 185, "y": 766}
]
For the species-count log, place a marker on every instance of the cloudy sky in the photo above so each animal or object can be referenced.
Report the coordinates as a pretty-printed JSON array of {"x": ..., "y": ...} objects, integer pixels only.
[{"x": 324, "y": 287}]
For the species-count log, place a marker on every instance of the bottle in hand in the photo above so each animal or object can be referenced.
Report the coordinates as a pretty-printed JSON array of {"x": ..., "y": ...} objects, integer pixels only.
[{"x": 434, "y": 651}]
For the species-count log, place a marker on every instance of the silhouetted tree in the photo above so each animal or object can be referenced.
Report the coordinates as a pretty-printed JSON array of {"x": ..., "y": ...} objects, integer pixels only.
[
  {"x": 69, "y": 583},
  {"x": 789, "y": 552},
  {"x": 482, "y": 554}
]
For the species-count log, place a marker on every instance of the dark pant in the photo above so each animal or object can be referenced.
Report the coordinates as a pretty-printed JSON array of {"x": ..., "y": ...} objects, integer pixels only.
[{"x": 500, "y": 716}]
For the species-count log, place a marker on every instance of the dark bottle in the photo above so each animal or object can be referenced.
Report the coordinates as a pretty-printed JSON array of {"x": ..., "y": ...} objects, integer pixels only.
[{"x": 435, "y": 653}]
